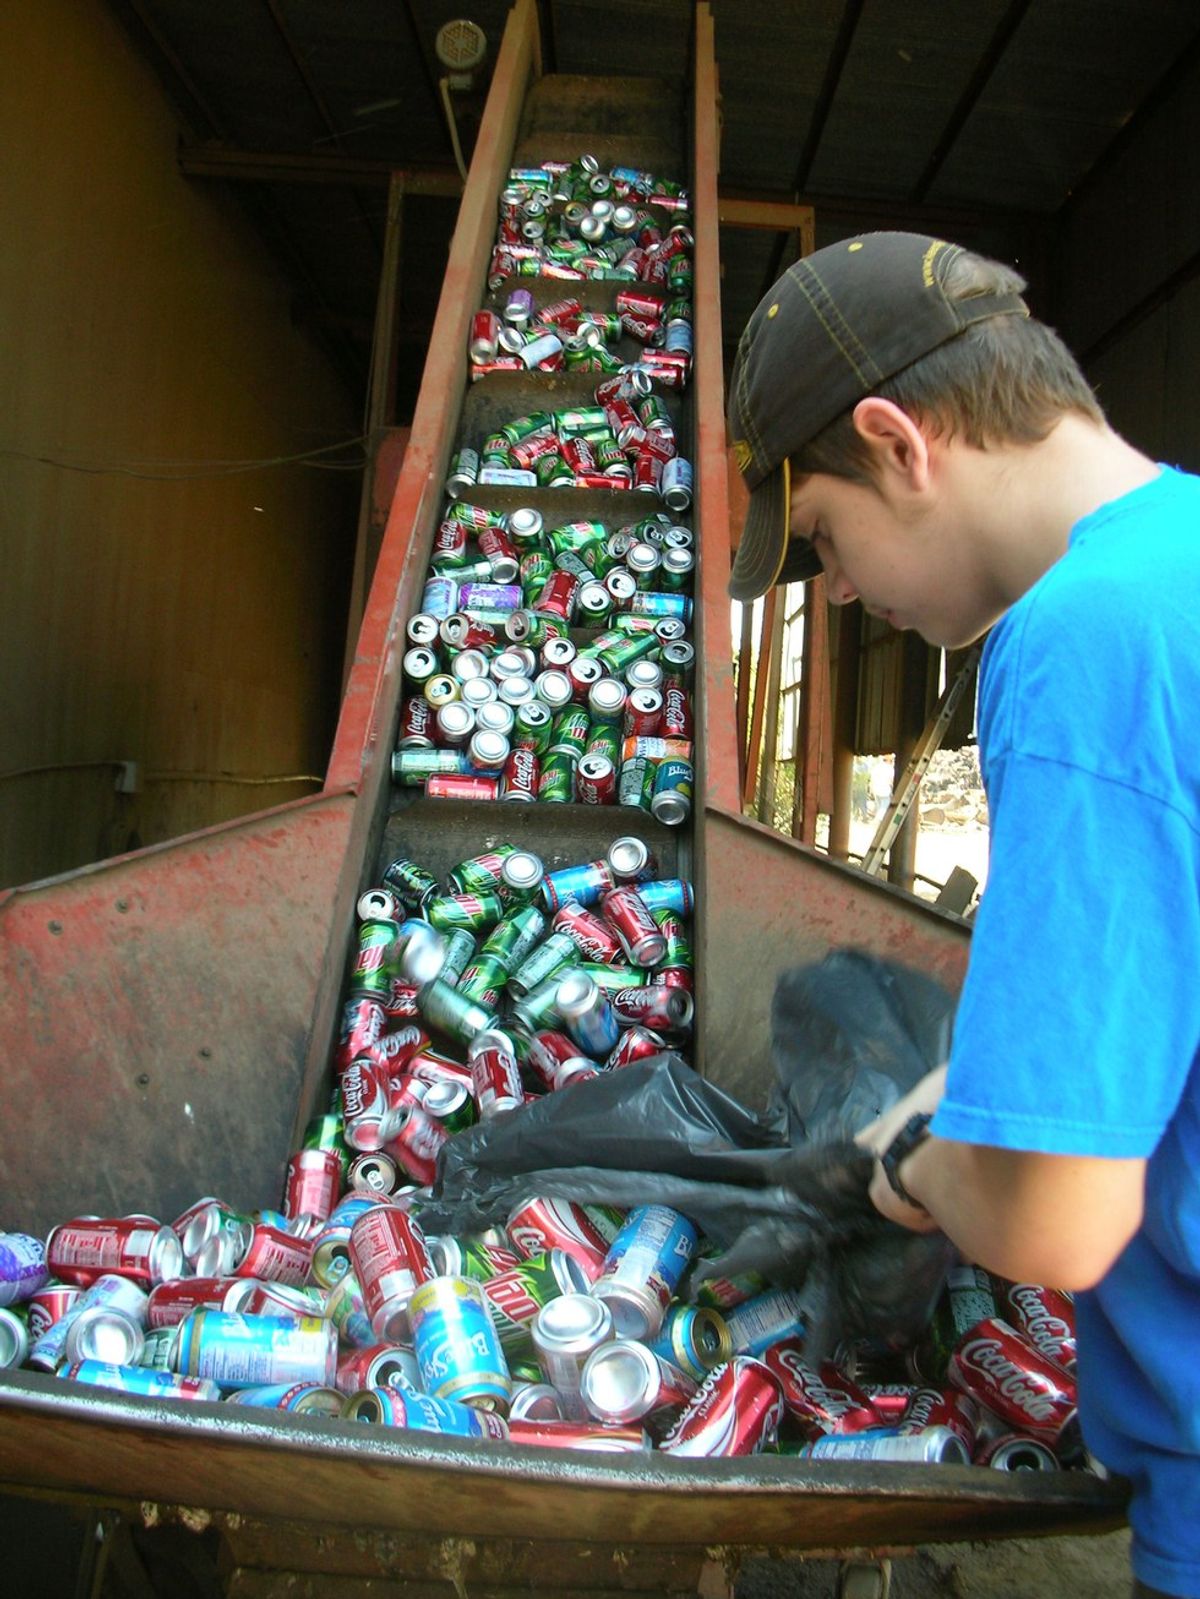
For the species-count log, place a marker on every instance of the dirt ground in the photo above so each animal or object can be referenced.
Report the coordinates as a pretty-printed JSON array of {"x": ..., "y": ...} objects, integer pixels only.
[{"x": 1015, "y": 1568}]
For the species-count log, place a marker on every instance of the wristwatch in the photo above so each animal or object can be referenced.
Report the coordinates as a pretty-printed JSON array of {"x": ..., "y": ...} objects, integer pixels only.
[{"x": 915, "y": 1131}]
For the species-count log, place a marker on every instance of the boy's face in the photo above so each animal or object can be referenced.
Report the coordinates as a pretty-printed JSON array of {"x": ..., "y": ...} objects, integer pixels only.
[{"x": 905, "y": 559}]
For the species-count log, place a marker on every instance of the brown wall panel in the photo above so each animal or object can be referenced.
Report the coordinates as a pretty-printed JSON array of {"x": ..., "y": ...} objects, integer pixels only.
[{"x": 194, "y": 626}]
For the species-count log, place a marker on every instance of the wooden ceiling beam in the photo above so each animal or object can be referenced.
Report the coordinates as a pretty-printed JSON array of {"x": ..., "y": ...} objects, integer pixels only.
[{"x": 256, "y": 166}]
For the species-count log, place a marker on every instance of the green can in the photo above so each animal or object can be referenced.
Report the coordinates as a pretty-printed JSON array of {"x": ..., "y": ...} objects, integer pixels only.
[
  {"x": 514, "y": 939},
  {"x": 552, "y": 957},
  {"x": 556, "y": 784},
  {"x": 571, "y": 561},
  {"x": 607, "y": 361},
  {"x": 533, "y": 571},
  {"x": 629, "y": 626},
  {"x": 515, "y": 1297},
  {"x": 604, "y": 738},
  {"x": 411, "y": 884},
  {"x": 631, "y": 647},
  {"x": 611, "y": 978},
  {"x": 579, "y": 420},
  {"x": 570, "y": 734},
  {"x": 524, "y": 427},
  {"x": 475, "y": 912},
  {"x": 451, "y": 1013},
  {"x": 460, "y": 952},
  {"x": 475, "y": 516},
  {"x": 551, "y": 469},
  {"x": 495, "y": 451},
  {"x": 679, "y": 945},
  {"x": 372, "y": 968},
  {"x": 481, "y": 873},
  {"x": 412, "y": 767},
  {"x": 533, "y": 726},
  {"x": 328, "y": 1132},
  {"x": 575, "y": 536},
  {"x": 469, "y": 572},
  {"x": 483, "y": 981},
  {"x": 680, "y": 274},
  {"x": 602, "y": 641},
  {"x": 635, "y": 782}
]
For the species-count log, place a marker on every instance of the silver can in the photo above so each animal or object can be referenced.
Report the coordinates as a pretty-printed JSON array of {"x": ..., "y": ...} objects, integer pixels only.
[
  {"x": 629, "y": 859},
  {"x": 934, "y": 1446},
  {"x": 606, "y": 699},
  {"x": 105, "y": 1334},
  {"x": 488, "y": 751},
  {"x": 478, "y": 692},
  {"x": 524, "y": 525},
  {"x": 558, "y": 652},
  {"x": 455, "y": 724},
  {"x": 554, "y": 689},
  {"x": 676, "y": 486},
  {"x": 565, "y": 1332},
  {"x": 14, "y": 1339},
  {"x": 423, "y": 629},
  {"x": 496, "y": 716}
]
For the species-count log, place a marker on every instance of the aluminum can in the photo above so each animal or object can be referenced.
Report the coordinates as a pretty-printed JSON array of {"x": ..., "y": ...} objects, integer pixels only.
[
  {"x": 668, "y": 893},
  {"x": 463, "y": 788},
  {"x": 584, "y": 884},
  {"x": 1011, "y": 1452},
  {"x": 371, "y": 970},
  {"x": 555, "y": 692},
  {"x": 495, "y": 1075},
  {"x": 485, "y": 330},
  {"x": 471, "y": 1257},
  {"x": 483, "y": 981},
  {"x": 237, "y": 1351},
  {"x": 464, "y": 471},
  {"x": 313, "y": 1183},
  {"x": 474, "y": 911},
  {"x": 170, "y": 1303},
  {"x": 377, "y": 1366},
  {"x": 514, "y": 939},
  {"x": 889, "y": 1399},
  {"x": 596, "y": 780},
  {"x": 534, "y": 1401},
  {"x": 331, "y": 1245},
  {"x": 417, "y": 1144},
  {"x": 515, "y": 1297},
  {"x": 1000, "y": 1369},
  {"x": 457, "y": 1347},
  {"x": 565, "y": 1333},
  {"x": 109, "y": 1292},
  {"x": 439, "y": 599},
  {"x": 522, "y": 772},
  {"x": 630, "y": 861},
  {"x": 445, "y": 1008},
  {"x": 570, "y": 732},
  {"x": 551, "y": 1054},
  {"x": 942, "y": 1407},
  {"x": 671, "y": 798},
  {"x": 48, "y": 1305},
  {"x": 538, "y": 1225},
  {"x": 678, "y": 953},
  {"x": 694, "y": 1339},
  {"x": 934, "y": 1446},
  {"x": 676, "y": 486},
  {"x": 1046, "y": 1316},
  {"x": 86, "y": 1248},
  {"x": 158, "y": 1349},
  {"x": 23, "y": 1268},
  {"x": 411, "y": 883},
  {"x": 255, "y": 1298},
  {"x": 593, "y": 937},
  {"x": 303, "y": 1398},
  {"x": 139, "y": 1380},
  {"x": 820, "y": 1397},
  {"x": 414, "y": 767},
  {"x": 736, "y": 1411},
  {"x": 592, "y": 1436},
  {"x": 390, "y": 1258},
  {"x": 634, "y": 1044},
  {"x": 630, "y": 918},
  {"x": 643, "y": 1267},
  {"x": 14, "y": 1338},
  {"x": 392, "y": 1407},
  {"x": 665, "y": 1010},
  {"x": 106, "y": 1334},
  {"x": 545, "y": 963},
  {"x": 344, "y": 1307},
  {"x": 765, "y": 1319},
  {"x": 585, "y": 1009},
  {"x": 273, "y": 1255},
  {"x": 624, "y": 1381},
  {"x": 370, "y": 1116},
  {"x": 556, "y": 780}
]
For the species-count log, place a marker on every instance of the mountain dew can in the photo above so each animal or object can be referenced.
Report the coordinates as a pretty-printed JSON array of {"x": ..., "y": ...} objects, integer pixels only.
[{"x": 553, "y": 955}]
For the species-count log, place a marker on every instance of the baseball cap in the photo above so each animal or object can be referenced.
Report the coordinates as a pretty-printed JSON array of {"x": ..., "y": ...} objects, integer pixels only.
[{"x": 835, "y": 326}]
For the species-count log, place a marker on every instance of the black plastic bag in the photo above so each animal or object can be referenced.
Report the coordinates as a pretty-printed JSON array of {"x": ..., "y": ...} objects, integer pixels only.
[{"x": 785, "y": 1194}]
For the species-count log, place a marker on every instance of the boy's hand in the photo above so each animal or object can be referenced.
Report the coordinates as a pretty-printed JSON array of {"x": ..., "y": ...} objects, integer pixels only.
[{"x": 877, "y": 1135}]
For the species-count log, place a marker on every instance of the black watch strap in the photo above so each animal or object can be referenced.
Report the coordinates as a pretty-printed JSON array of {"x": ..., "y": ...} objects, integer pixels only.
[{"x": 915, "y": 1131}]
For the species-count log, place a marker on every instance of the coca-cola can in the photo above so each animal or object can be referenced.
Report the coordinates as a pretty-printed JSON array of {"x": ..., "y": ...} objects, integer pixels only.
[
  {"x": 1047, "y": 1318},
  {"x": 365, "y": 1088},
  {"x": 417, "y": 1142},
  {"x": 171, "y": 1302},
  {"x": 313, "y": 1183},
  {"x": 485, "y": 331},
  {"x": 390, "y": 1259},
  {"x": 635, "y": 1043},
  {"x": 596, "y": 780},
  {"x": 1000, "y": 1369},
  {"x": 820, "y": 1397},
  {"x": 519, "y": 780},
  {"x": 625, "y": 1381},
  {"x": 942, "y": 1407},
  {"x": 540, "y": 1224},
  {"x": 550, "y": 1053},
  {"x": 736, "y": 1411},
  {"x": 663, "y": 1009},
  {"x": 627, "y": 914},
  {"x": 276, "y": 1256},
  {"x": 495, "y": 1075},
  {"x": 579, "y": 1435},
  {"x": 136, "y": 1247},
  {"x": 593, "y": 938}
]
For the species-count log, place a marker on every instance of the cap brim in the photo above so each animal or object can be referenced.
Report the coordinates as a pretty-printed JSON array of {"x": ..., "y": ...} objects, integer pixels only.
[{"x": 766, "y": 556}]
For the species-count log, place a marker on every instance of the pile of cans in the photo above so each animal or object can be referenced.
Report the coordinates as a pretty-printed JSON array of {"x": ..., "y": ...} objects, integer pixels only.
[{"x": 506, "y": 704}]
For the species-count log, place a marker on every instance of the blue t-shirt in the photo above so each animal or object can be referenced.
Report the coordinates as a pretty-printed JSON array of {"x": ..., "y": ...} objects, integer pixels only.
[{"x": 1079, "y": 1025}]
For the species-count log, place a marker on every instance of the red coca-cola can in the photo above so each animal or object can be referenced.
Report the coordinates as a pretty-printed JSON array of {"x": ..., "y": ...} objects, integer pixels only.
[
  {"x": 137, "y": 1247},
  {"x": 1000, "y": 1369},
  {"x": 558, "y": 596},
  {"x": 677, "y": 719},
  {"x": 401, "y": 1002},
  {"x": 821, "y": 1398},
  {"x": 666, "y": 367},
  {"x": 171, "y": 1302},
  {"x": 629, "y": 916},
  {"x": 485, "y": 331},
  {"x": 550, "y": 1052},
  {"x": 502, "y": 363},
  {"x": 450, "y": 542},
  {"x": 624, "y": 421},
  {"x": 890, "y": 1399},
  {"x": 635, "y": 1043},
  {"x": 737, "y": 1411},
  {"x": 496, "y": 544},
  {"x": 943, "y": 1407},
  {"x": 495, "y": 1075},
  {"x": 647, "y": 471},
  {"x": 593, "y": 938},
  {"x": 673, "y": 977},
  {"x": 1047, "y": 1318},
  {"x": 579, "y": 455},
  {"x": 391, "y": 1260},
  {"x": 417, "y": 1142},
  {"x": 662, "y": 1009},
  {"x": 313, "y": 1183},
  {"x": 646, "y": 329},
  {"x": 519, "y": 780},
  {"x": 367, "y": 1102},
  {"x": 431, "y": 1067},
  {"x": 363, "y": 1021},
  {"x": 275, "y": 1256},
  {"x": 578, "y": 1435},
  {"x": 538, "y": 1225},
  {"x": 639, "y": 303},
  {"x": 527, "y": 452},
  {"x": 398, "y": 1046},
  {"x": 416, "y": 724},
  {"x": 463, "y": 788}
]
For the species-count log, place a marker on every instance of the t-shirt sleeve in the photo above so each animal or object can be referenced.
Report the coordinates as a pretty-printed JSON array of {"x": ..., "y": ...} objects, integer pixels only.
[{"x": 1080, "y": 1015}]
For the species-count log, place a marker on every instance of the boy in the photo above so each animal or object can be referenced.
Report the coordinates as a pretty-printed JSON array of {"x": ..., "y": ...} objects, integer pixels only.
[{"x": 906, "y": 427}]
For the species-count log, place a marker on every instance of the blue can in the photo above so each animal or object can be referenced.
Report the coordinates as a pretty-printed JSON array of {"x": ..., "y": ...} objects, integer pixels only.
[
  {"x": 139, "y": 1380},
  {"x": 249, "y": 1351},
  {"x": 642, "y": 1269},
  {"x": 440, "y": 598},
  {"x": 589, "y": 1017},
  {"x": 656, "y": 603},
  {"x": 757, "y": 1323},
  {"x": 305, "y": 1398},
  {"x": 394, "y": 1407},
  {"x": 457, "y": 1346},
  {"x": 668, "y": 894},
  {"x": 584, "y": 884}
]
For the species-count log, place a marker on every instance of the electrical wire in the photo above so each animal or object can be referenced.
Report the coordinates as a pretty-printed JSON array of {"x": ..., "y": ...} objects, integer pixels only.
[
  {"x": 210, "y": 469},
  {"x": 444, "y": 86}
]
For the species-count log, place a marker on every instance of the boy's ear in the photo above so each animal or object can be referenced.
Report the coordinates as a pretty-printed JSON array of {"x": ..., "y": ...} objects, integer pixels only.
[{"x": 898, "y": 444}]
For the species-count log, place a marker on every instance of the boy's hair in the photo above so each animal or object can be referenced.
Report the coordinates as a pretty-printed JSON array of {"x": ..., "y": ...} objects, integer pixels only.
[{"x": 1003, "y": 380}]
